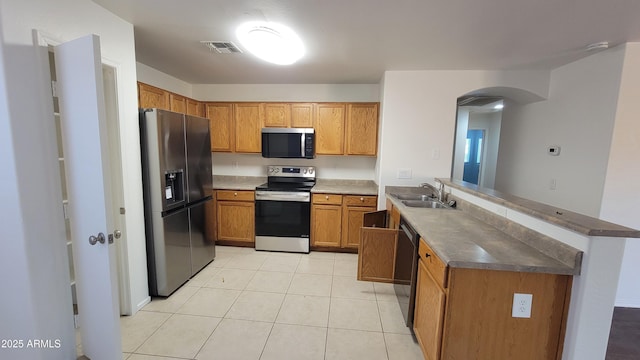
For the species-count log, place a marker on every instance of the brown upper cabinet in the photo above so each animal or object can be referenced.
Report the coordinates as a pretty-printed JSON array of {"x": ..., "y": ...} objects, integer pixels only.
[
  {"x": 330, "y": 128},
  {"x": 195, "y": 108},
  {"x": 248, "y": 123},
  {"x": 340, "y": 128},
  {"x": 152, "y": 97},
  {"x": 362, "y": 129},
  {"x": 277, "y": 115},
  {"x": 288, "y": 115},
  {"x": 178, "y": 103},
  {"x": 221, "y": 122},
  {"x": 302, "y": 115}
]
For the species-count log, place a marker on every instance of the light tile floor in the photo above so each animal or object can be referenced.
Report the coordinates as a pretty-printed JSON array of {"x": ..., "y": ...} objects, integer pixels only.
[{"x": 255, "y": 305}]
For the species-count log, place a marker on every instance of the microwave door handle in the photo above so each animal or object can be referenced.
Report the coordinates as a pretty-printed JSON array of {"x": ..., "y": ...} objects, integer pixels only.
[{"x": 302, "y": 147}]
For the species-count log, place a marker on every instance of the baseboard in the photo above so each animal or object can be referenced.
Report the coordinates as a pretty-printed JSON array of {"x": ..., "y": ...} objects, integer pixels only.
[
  {"x": 143, "y": 303},
  {"x": 628, "y": 303}
]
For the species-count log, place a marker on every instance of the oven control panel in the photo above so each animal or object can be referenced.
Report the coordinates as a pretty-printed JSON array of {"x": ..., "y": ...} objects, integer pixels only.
[{"x": 291, "y": 171}]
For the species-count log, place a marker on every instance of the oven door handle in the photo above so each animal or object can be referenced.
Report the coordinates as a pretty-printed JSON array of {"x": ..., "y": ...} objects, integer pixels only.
[{"x": 283, "y": 196}]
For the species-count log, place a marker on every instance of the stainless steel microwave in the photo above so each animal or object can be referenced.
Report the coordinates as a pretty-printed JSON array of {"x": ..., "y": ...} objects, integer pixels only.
[{"x": 291, "y": 143}]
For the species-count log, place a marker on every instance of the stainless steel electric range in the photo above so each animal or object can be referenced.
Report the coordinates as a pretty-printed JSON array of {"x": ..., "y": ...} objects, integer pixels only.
[{"x": 283, "y": 209}]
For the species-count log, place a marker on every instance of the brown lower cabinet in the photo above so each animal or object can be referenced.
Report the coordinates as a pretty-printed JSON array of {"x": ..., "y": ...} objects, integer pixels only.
[
  {"x": 235, "y": 215},
  {"x": 336, "y": 219},
  {"x": 465, "y": 313}
]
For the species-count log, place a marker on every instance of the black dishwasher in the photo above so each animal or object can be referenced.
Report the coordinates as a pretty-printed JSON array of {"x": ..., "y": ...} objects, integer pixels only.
[{"x": 406, "y": 270}]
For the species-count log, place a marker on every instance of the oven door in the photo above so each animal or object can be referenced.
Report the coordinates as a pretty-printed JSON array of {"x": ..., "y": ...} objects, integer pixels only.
[{"x": 283, "y": 221}]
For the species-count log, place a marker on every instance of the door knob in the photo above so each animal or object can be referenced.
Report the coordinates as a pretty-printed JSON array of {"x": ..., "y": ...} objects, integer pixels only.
[{"x": 99, "y": 239}]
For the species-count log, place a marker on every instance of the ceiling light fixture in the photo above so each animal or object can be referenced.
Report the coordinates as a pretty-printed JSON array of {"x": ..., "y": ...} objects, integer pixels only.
[
  {"x": 272, "y": 42},
  {"x": 498, "y": 106}
]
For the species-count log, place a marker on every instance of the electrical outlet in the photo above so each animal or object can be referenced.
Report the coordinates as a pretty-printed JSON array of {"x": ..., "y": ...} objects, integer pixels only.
[
  {"x": 522, "y": 305},
  {"x": 552, "y": 184},
  {"x": 435, "y": 154}
]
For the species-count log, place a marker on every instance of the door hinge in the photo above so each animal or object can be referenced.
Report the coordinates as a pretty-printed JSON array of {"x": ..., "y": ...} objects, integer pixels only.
[
  {"x": 65, "y": 211},
  {"x": 54, "y": 88},
  {"x": 122, "y": 211}
]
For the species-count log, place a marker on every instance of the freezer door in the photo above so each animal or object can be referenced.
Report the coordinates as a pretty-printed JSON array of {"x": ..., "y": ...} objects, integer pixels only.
[
  {"x": 203, "y": 249},
  {"x": 171, "y": 265},
  {"x": 199, "y": 175}
]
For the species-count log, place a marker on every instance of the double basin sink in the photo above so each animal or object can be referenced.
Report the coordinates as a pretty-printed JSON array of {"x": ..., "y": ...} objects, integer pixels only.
[{"x": 421, "y": 201}]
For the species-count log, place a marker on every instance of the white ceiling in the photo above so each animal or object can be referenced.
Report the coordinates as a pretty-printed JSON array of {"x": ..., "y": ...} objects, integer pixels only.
[{"x": 355, "y": 41}]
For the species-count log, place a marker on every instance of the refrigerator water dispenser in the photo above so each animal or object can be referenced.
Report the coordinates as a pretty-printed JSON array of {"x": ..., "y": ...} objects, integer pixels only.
[{"x": 174, "y": 186}]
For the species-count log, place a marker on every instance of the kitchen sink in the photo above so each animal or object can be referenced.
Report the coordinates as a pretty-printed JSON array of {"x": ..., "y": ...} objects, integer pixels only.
[
  {"x": 425, "y": 204},
  {"x": 418, "y": 197}
]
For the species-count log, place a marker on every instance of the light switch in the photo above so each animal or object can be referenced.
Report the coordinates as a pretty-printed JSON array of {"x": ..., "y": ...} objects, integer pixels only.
[{"x": 404, "y": 173}]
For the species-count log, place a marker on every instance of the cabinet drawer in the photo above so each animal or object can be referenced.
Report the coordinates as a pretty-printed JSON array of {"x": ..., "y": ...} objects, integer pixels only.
[
  {"x": 332, "y": 199},
  {"x": 436, "y": 267},
  {"x": 357, "y": 200},
  {"x": 235, "y": 195}
]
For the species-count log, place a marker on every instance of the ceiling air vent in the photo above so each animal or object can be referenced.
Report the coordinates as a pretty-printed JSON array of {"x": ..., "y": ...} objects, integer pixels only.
[{"x": 222, "y": 47}]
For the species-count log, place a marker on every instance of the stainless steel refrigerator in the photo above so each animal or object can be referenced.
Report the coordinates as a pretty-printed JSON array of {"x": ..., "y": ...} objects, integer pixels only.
[{"x": 177, "y": 178}]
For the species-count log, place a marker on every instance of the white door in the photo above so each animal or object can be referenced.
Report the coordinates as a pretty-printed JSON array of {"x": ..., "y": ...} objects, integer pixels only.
[{"x": 84, "y": 133}]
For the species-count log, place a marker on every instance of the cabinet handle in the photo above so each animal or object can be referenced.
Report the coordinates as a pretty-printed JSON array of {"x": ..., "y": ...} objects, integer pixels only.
[
  {"x": 361, "y": 199},
  {"x": 327, "y": 197},
  {"x": 235, "y": 194}
]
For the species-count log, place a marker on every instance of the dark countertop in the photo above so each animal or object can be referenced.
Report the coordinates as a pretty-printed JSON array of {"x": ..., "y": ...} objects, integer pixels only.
[
  {"x": 354, "y": 187},
  {"x": 577, "y": 222},
  {"x": 224, "y": 182},
  {"x": 463, "y": 241},
  {"x": 329, "y": 186}
]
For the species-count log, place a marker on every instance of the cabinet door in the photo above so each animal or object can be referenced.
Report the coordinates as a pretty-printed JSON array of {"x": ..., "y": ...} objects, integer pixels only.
[
  {"x": 221, "y": 122},
  {"x": 302, "y": 115},
  {"x": 178, "y": 103},
  {"x": 376, "y": 254},
  {"x": 429, "y": 312},
  {"x": 236, "y": 220},
  {"x": 330, "y": 129},
  {"x": 362, "y": 129},
  {"x": 195, "y": 108},
  {"x": 352, "y": 220},
  {"x": 248, "y": 119},
  {"x": 326, "y": 225},
  {"x": 277, "y": 115},
  {"x": 152, "y": 97}
]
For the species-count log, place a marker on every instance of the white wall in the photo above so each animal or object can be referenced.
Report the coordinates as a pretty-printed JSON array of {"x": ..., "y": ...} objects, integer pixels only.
[
  {"x": 153, "y": 77},
  {"x": 579, "y": 117},
  {"x": 462, "y": 125},
  {"x": 328, "y": 167},
  {"x": 490, "y": 123},
  {"x": 24, "y": 305},
  {"x": 419, "y": 115},
  {"x": 287, "y": 92},
  {"x": 36, "y": 167},
  {"x": 621, "y": 195}
]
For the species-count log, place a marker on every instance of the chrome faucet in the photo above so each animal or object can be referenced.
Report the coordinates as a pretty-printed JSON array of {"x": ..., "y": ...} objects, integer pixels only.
[{"x": 437, "y": 192}]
